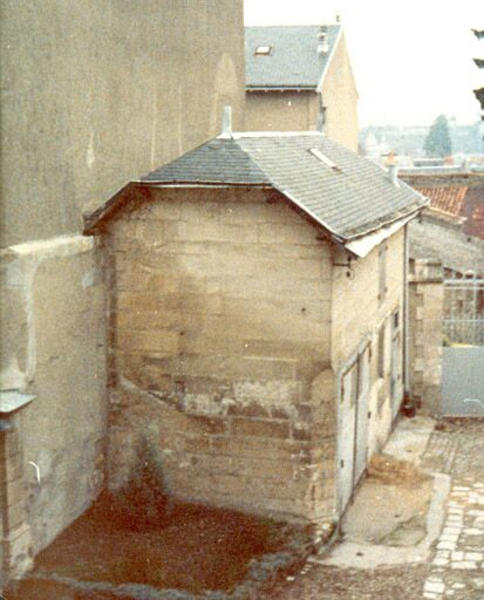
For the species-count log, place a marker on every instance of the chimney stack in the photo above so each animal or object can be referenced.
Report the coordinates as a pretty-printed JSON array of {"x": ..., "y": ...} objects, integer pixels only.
[
  {"x": 226, "y": 123},
  {"x": 323, "y": 46},
  {"x": 393, "y": 169}
]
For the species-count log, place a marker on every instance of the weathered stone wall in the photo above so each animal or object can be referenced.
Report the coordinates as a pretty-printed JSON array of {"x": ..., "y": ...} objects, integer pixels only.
[
  {"x": 426, "y": 304},
  {"x": 340, "y": 96},
  {"x": 220, "y": 317},
  {"x": 358, "y": 314},
  {"x": 53, "y": 345}
]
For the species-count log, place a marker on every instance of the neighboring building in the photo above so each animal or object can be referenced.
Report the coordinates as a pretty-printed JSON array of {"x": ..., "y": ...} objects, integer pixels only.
[
  {"x": 447, "y": 293},
  {"x": 300, "y": 79},
  {"x": 92, "y": 93},
  {"x": 456, "y": 197},
  {"x": 257, "y": 321}
]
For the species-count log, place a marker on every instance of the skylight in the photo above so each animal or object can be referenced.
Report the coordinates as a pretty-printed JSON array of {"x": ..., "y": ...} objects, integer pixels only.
[
  {"x": 324, "y": 159},
  {"x": 263, "y": 50}
]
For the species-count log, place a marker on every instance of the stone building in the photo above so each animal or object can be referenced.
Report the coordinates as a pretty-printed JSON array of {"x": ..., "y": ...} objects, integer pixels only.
[
  {"x": 300, "y": 79},
  {"x": 92, "y": 94},
  {"x": 256, "y": 321}
]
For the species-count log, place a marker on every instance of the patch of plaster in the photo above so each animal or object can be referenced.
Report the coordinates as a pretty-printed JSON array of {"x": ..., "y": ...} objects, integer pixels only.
[{"x": 24, "y": 261}]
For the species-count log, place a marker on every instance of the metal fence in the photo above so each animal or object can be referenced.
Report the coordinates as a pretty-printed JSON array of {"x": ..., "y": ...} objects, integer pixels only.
[{"x": 463, "y": 321}]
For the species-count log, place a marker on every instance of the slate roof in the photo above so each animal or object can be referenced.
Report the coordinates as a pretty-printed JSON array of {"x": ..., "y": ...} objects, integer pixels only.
[
  {"x": 457, "y": 250},
  {"x": 293, "y": 63},
  {"x": 351, "y": 198}
]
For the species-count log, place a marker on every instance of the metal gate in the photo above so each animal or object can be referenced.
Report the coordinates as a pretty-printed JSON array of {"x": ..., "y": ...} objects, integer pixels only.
[
  {"x": 463, "y": 381},
  {"x": 463, "y": 353}
]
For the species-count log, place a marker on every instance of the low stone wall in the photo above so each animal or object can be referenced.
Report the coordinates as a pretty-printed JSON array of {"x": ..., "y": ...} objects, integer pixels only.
[{"x": 426, "y": 297}]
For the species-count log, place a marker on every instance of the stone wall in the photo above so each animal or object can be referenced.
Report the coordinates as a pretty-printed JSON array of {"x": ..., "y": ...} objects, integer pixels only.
[
  {"x": 426, "y": 301},
  {"x": 358, "y": 316},
  {"x": 220, "y": 318}
]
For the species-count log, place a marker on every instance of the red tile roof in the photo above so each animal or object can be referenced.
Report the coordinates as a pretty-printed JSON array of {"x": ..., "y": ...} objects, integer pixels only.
[{"x": 448, "y": 199}]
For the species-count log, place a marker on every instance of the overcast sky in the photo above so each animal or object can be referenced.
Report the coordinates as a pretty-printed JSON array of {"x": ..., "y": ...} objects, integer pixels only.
[{"x": 412, "y": 59}]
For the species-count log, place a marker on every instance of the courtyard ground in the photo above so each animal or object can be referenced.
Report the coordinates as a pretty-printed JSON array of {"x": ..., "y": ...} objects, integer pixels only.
[
  {"x": 449, "y": 564},
  {"x": 414, "y": 530}
]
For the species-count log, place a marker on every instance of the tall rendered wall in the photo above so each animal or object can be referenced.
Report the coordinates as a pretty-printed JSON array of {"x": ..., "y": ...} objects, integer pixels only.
[
  {"x": 97, "y": 93},
  {"x": 220, "y": 322},
  {"x": 93, "y": 94}
]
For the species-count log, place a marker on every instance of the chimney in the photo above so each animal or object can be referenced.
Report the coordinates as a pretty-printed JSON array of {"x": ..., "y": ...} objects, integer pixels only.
[
  {"x": 393, "y": 169},
  {"x": 393, "y": 172},
  {"x": 226, "y": 132},
  {"x": 323, "y": 46}
]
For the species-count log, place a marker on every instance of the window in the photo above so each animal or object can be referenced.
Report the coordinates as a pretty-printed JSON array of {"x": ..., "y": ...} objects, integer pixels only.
[
  {"x": 263, "y": 50},
  {"x": 382, "y": 272}
]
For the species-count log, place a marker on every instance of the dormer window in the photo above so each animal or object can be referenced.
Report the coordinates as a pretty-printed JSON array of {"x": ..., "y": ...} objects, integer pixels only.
[{"x": 263, "y": 50}]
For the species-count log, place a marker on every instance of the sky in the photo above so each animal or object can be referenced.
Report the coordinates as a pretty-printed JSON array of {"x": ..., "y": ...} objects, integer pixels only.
[{"x": 412, "y": 60}]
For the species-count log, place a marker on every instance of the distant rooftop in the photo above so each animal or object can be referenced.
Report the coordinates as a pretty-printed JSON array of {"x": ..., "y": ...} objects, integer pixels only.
[{"x": 288, "y": 57}]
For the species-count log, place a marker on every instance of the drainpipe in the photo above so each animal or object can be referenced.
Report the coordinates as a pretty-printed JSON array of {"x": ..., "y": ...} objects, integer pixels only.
[{"x": 408, "y": 404}]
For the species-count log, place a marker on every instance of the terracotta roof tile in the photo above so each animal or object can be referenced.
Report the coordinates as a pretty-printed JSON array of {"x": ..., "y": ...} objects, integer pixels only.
[{"x": 448, "y": 199}]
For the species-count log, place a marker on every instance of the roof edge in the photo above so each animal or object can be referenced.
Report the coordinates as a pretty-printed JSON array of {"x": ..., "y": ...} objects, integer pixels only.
[
  {"x": 93, "y": 221},
  {"x": 319, "y": 87}
]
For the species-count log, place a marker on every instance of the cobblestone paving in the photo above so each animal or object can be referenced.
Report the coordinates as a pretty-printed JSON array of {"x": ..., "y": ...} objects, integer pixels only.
[
  {"x": 455, "y": 569},
  {"x": 457, "y": 565}
]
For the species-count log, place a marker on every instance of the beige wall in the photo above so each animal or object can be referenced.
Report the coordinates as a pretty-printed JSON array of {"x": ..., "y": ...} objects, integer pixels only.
[
  {"x": 340, "y": 98},
  {"x": 220, "y": 325},
  {"x": 281, "y": 111},
  {"x": 358, "y": 314},
  {"x": 97, "y": 93}
]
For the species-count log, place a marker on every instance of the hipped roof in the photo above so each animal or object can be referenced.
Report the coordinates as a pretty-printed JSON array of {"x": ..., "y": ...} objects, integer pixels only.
[{"x": 344, "y": 193}]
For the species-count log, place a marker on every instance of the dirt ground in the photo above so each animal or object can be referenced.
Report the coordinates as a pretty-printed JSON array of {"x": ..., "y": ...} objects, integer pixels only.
[{"x": 191, "y": 548}]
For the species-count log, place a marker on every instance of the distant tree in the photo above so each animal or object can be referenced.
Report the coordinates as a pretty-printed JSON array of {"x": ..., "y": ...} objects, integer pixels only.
[{"x": 437, "y": 142}]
